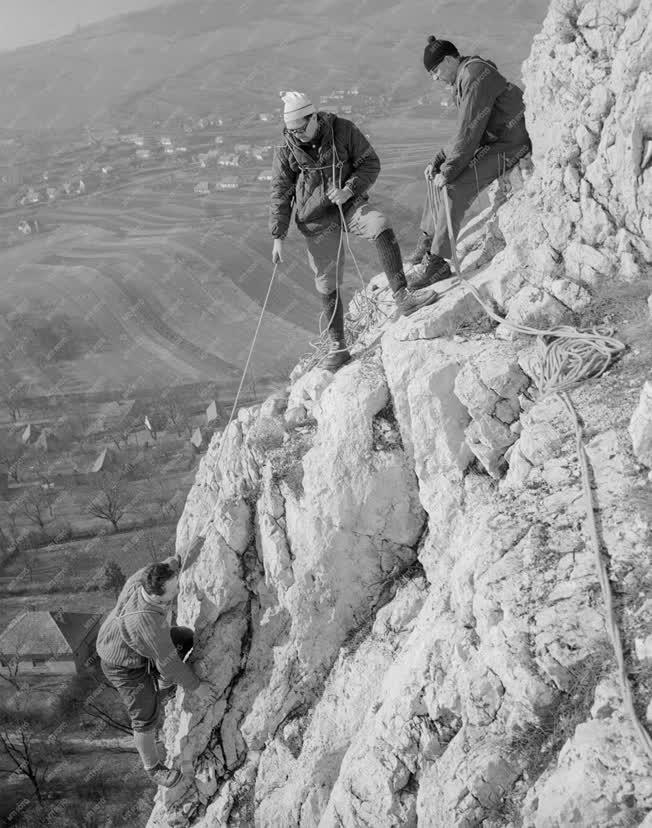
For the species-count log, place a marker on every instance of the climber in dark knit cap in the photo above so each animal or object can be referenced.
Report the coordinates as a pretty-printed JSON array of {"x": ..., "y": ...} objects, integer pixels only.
[
  {"x": 490, "y": 139},
  {"x": 324, "y": 168}
]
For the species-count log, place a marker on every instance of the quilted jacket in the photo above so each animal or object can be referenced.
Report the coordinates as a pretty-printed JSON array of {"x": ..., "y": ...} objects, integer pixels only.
[{"x": 300, "y": 180}]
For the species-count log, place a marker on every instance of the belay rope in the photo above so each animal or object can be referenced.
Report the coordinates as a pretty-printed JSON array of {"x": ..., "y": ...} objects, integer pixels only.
[
  {"x": 365, "y": 311},
  {"x": 568, "y": 356}
]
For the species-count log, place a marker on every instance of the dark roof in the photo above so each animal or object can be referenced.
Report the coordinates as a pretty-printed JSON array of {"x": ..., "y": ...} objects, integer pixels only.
[{"x": 47, "y": 633}]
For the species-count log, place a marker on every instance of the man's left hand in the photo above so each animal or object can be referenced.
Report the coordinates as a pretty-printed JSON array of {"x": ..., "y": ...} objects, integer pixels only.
[
  {"x": 439, "y": 180},
  {"x": 338, "y": 196}
]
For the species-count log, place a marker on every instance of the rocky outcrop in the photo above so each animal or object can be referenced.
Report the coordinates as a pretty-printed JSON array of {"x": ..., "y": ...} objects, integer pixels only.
[{"x": 397, "y": 598}]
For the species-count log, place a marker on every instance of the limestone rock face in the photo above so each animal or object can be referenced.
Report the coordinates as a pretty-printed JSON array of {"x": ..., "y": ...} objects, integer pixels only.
[
  {"x": 640, "y": 426},
  {"x": 397, "y": 599}
]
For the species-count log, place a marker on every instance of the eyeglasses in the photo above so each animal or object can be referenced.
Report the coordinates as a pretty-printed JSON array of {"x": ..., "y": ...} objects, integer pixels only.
[{"x": 302, "y": 128}]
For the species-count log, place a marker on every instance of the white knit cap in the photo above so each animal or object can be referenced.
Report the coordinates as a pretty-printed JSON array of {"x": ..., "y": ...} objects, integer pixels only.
[{"x": 297, "y": 106}]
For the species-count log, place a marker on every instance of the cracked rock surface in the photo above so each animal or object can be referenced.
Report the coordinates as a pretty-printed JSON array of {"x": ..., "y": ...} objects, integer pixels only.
[{"x": 397, "y": 599}]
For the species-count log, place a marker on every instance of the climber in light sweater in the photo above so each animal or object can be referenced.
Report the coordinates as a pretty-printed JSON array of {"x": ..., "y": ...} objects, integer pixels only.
[
  {"x": 137, "y": 647},
  {"x": 490, "y": 138}
]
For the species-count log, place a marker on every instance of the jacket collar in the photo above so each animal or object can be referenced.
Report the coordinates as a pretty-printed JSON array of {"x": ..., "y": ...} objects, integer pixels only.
[
  {"x": 162, "y": 608},
  {"x": 324, "y": 137}
]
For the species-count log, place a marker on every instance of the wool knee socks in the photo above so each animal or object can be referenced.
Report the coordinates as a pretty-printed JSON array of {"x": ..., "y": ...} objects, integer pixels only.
[{"x": 391, "y": 261}]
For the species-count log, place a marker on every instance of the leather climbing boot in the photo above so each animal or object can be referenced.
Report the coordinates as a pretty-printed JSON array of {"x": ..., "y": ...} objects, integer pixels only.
[
  {"x": 434, "y": 269},
  {"x": 422, "y": 247},
  {"x": 338, "y": 354},
  {"x": 409, "y": 301},
  {"x": 164, "y": 776}
]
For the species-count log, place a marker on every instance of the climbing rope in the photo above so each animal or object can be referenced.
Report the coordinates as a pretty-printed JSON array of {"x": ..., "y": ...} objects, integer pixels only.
[
  {"x": 568, "y": 357},
  {"x": 204, "y": 528},
  {"x": 364, "y": 311}
]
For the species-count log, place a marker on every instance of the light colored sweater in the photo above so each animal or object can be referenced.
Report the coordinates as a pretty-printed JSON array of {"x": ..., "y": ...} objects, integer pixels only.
[{"x": 137, "y": 630}]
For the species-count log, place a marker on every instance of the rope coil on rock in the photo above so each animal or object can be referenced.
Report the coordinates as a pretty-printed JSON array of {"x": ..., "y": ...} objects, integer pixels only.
[{"x": 568, "y": 357}]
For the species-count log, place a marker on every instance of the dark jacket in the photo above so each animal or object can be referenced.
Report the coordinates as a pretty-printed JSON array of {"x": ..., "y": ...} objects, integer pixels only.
[
  {"x": 491, "y": 110},
  {"x": 299, "y": 178}
]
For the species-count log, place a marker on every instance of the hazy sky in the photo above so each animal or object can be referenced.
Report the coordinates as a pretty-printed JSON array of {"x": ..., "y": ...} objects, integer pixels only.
[{"x": 30, "y": 21}]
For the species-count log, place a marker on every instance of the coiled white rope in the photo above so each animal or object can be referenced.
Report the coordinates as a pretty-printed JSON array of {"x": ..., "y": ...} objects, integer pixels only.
[{"x": 568, "y": 357}]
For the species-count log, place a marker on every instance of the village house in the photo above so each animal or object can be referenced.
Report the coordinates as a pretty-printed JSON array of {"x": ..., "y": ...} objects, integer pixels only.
[
  {"x": 55, "y": 642},
  {"x": 229, "y": 182},
  {"x": 198, "y": 440},
  {"x": 212, "y": 412},
  {"x": 107, "y": 460},
  {"x": 28, "y": 226},
  {"x": 264, "y": 175},
  {"x": 165, "y": 141},
  {"x": 202, "y": 187},
  {"x": 143, "y": 154},
  {"x": 30, "y": 434},
  {"x": 219, "y": 139},
  {"x": 230, "y": 160}
]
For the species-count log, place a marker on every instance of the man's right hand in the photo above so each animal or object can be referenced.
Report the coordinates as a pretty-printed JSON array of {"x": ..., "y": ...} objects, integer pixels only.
[
  {"x": 435, "y": 165},
  {"x": 277, "y": 251},
  {"x": 205, "y": 691}
]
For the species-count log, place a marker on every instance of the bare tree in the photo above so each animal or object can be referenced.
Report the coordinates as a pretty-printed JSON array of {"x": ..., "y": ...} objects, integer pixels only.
[
  {"x": 177, "y": 416},
  {"x": 112, "y": 578},
  {"x": 13, "y": 408},
  {"x": 23, "y": 754},
  {"x": 163, "y": 500},
  {"x": 14, "y": 531},
  {"x": 111, "y": 501},
  {"x": 45, "y": 476},
  {"x": 34, "y": 506},
  {"x": 83, "y": 696},
  {"x": 10, "y": 665},
  {"x": 120, "y": 435},
  {"x": 11, "y": 456}
]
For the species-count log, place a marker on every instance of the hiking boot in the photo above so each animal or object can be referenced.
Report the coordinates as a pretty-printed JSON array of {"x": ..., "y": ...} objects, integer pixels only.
[
  {"x": 435, "y": 269},
  {"x": 337, "y": 357},
  {"x": 164, "y": 776},
  {"x": 422, "y": 247},
  {"x": 166, "y": 692},
  {"x": 338, "y": 354},
  {"x": 408, "y": 301}
]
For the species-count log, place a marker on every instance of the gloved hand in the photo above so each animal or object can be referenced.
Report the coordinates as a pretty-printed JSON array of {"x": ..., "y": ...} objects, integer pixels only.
[
  {"x": 205, "y": 691},
  {"x": 277, "y": 251}
]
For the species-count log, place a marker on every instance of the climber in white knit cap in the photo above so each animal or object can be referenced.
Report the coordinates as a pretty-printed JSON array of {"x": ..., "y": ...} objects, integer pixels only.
[
  {"x": 324, "y": 169},
  {"x": 297, "y": 106}
]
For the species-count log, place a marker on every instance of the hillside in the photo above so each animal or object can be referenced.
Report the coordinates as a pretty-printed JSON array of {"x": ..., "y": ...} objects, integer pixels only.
[{"x": 105, "y": 249}]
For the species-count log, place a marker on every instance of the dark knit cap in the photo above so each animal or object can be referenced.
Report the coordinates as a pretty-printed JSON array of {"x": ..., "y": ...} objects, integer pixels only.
[{"x": 436, "y": 51}]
